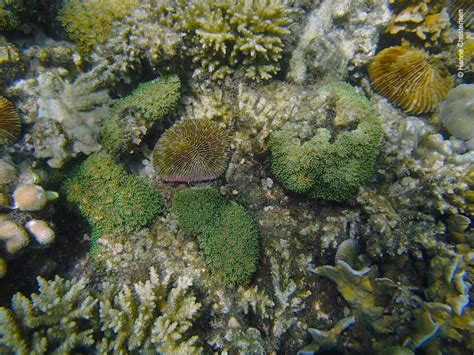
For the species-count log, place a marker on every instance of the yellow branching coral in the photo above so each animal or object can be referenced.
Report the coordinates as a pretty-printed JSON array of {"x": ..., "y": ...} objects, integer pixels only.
[
  {"x": 410, "y": 79},
  {"x": 226, "y": 35},
  {"x": 10, "y": 127},
  {"x": 421, "y": 20},
  {"x": 89, "y": 22}
]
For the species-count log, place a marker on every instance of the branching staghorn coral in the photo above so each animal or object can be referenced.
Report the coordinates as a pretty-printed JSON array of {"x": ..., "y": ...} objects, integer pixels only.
[
  {"x": 229, "y": 35},
  {"x": 64, "y": 317}
]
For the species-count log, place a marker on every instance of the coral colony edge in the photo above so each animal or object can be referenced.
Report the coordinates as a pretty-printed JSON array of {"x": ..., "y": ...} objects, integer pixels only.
[{"x": 236, "y": 177}]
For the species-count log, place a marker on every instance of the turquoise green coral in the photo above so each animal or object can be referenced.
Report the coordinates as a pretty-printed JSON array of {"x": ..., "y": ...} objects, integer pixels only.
[
  {"x": 226, "y": 233},
  {"x": 338, "y": 158},
  {"x": 147, "y": 104},
  {"x": 89, "y": 22},
  {"x": 111, "y": 200},
  {"x": 229, "y": 35}
]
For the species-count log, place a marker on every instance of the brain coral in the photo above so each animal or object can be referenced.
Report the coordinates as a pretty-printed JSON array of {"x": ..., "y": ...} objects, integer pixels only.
[
  {"x": 237, "y": 34},
  {"x": 10, "y": 127},
  {"x": 457, "y": 111},
  {"x": 89, "y": 22},
  {"x": 111, "y": 200},
  {"x": 226, "y": 233},
  {"x": 409, "y": 78},
  {"x": 337, "y": 157},
  {"x": 192, "y": 150}
]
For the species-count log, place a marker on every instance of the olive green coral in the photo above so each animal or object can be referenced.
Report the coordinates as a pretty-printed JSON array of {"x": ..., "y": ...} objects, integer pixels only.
[
  {"x": 329, "y": 164},
  {"x": 110, "y": 199},
  {"x": 89, "y": 22},
  {"x": 133, "y": 115},
  {"x": 10, "y": 14},
  {"x": 228, "y": 35},
  {"x": 66, "y": 317},
  {"x": 226, "y": 233}
]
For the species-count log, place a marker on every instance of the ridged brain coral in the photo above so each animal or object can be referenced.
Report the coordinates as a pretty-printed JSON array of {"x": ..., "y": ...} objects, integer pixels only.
[
  {"x": 226, "y": 35},
  {"x": 89, "y": 22},
  {"x": 10, "y": 127},
  {"x": 410, "y": 79},
  {"x": 191, "y": 150}
]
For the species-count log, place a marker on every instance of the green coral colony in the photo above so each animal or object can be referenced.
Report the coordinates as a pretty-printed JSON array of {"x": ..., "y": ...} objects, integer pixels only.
[{"x": 243, "y": 186}]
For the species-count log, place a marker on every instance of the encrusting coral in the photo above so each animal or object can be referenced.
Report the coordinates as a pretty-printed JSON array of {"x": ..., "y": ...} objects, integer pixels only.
[
  {"x": 339, "y": 37},
  {"x": 65, "y": 317},
  {"x": 90, "y": 22},
  {"x": 225, "y": 36},
  {"x": 457, "y": 110},
  {"x": 10, "y": 127},
  {"x": 132, "y": 116},
  {"x": 324, "y": 164},
  {"x": 191, "y": 150},
  {"x": 409, "y": 78},
  {"x": 226, "y": 233},
  {"x": 111, "y": 199}
]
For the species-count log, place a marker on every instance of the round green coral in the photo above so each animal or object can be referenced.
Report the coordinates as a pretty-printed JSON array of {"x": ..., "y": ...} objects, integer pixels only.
[
  {"x": 337, "y": 158},
  {"x": 90, "y": 22},
  {"x": 226, "y": 233},
  {"x": 148, "y": 103},
  {"x": 110, "y": 199}
]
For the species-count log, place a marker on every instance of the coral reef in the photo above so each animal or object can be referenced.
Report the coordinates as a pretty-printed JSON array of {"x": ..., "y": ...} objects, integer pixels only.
[
  {"x": 324, "y": 164},
  {"x": 65, "y": 317},
  {"x": 132, "y": 116},
  {"x": 339, "y": 37},
  {"x": 422, "y": 21},
  {"x": 326, "y": 339},
  {"x": 11, "y": 12},
  {"x": 191, "y": 150},
  {"x": 31, "y": 197},
  {"x": 90, "y": 22},
  {"x": 409, "y": 78},
  {"x": 226, "y": 233},
  {"x": 10, "y": 61},
  {"x": 109, "y": 198},
  {"x": 456, "y": 112},
  {"x": 25, "y": 223},
  {"x": 225, "y": 36},
  {"x": 10, "y": 127}
]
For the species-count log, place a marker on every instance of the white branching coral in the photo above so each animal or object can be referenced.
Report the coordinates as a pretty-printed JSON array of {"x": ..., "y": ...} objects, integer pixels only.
[{"x": 153, "y": 316}]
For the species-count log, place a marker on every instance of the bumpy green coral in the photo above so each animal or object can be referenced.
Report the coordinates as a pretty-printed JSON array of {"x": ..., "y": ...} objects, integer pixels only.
[
  {"x": 111, "y": 199},
  {"x": 226, "y": 35},
  {"x": 64, "y": 317},
  {"x": 338, "y": 157},
  {"x": 10, "y": 14},
  {"x": 133, "y": 115},
  {"x": 89, "y": 22},
  {"x": 226, "y": 233}
]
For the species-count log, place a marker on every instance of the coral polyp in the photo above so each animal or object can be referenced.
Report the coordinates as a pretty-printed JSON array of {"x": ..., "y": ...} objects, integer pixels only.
[
  {"x": 10, "y": 127},
  {"x": 191, "y": 150},
  {"x": 410, "y": 78}
]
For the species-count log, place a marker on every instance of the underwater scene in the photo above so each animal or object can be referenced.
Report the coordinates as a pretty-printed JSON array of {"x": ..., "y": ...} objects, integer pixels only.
[{"x": 236, "y": 177}]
